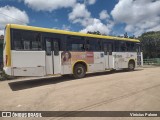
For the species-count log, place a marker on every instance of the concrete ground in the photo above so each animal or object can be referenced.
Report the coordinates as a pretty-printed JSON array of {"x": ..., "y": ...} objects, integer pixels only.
[{"x": 119, "y": 91}]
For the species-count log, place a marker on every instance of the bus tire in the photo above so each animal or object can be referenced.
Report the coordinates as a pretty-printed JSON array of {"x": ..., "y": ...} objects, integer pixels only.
[
  {"x": 131, "y": 65},
  {"x": 79, "y": 71}
]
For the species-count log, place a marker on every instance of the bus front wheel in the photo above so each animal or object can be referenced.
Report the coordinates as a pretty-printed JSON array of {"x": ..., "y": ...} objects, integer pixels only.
[
  {"x": 79, "y": 71},
  {"x": 131, "y": 65}
]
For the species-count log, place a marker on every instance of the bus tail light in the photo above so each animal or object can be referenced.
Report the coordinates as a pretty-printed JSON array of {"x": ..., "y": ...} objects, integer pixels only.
[{"x": 6, "y": 59}]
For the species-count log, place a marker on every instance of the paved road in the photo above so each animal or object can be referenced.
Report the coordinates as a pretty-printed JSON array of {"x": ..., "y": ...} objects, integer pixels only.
[{"x": 120, "y": 91}]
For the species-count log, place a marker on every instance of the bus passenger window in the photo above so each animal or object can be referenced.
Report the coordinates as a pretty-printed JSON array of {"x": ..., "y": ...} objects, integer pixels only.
[
  {"x": 130, "y": 46},
  {"x": 117, "y": 46},
  {"x": 75, "y": 43},
  {"x": 48, "y": 47},
  {"x": 36, "y": 42},
  {"x": 93, "y": 44},
  {"x": 35, "y": 45},
  {"x": 56, "y": 48},
  {"x": 110, "y": 49},
  {"x": 26, "y": 45},
  {"x": 18, "y": 45},
  {"x": 105, "y": 49},
  {"x": 133, "y": 47},
  {"x": 77, "y": 47},
  {"x": 123, "y": 46},
  {"x": 26, "y": 40}
]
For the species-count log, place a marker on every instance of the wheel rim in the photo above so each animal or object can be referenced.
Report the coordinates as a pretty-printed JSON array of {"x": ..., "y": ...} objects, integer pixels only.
[
  {"x": 80, "y": 71},
  {"x": 131, "y": 66}
]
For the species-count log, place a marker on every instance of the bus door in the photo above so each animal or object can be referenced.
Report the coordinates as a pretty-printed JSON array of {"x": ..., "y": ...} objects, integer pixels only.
[
  {"x": 108, "y": 48},
  {"x": 52, "y": 56}
]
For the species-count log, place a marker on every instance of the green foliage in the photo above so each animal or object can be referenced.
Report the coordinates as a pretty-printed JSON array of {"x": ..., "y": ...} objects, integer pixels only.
[
  {"x": 4, "y": 76},
  {"x": 132, "y": 37},
  {"x": 126, "y": 35},
  {"x": 95, "y": 32},
  {"x": 150, "y": 44}
]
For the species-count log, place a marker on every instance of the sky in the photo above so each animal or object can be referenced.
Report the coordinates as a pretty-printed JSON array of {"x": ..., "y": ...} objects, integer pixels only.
[{"x": 110, "y": 17}]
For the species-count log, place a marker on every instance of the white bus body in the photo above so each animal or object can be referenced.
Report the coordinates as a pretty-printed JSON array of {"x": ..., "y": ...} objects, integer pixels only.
[{"x": 50, "y": 61}]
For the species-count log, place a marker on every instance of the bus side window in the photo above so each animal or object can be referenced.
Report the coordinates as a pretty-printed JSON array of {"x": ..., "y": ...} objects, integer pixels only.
[
  {"x": 26, "y": 45},
  {"x": 130, "y": 46},
  {"x": 117, "y": 46},
  {"x": 56, "y": 48},
  {"x": 93, "y": 44},
  {"x": 17, "y": 45},
  {"x": 123, "y": 47},
  {"x": 26, "y": 40},
  {"x": 48, "y": 47},
  {"x": 100, "y": 45},
  {"x": 75, "y": 43},
  {"x": 16, "y": 39},
  {"x": 110, "y": 47},
  {"x": 36, "y": 43},
  {"x": 105, "y": 47},
  {"x": 87, "y": 46}
]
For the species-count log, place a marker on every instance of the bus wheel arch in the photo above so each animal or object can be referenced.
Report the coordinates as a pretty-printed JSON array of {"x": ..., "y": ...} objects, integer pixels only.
[
  {"x": 131, "y": 65},
  {"x": 79, "y": 69}
]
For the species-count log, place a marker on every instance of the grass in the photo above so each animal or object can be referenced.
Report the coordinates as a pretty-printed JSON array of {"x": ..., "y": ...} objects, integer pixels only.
[{"x": 4, "y": 76}]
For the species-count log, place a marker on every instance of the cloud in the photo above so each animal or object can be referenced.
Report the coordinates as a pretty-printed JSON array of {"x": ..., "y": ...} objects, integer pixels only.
[
  {"x": 66, "y": 27},
  {"x": 79, "y": 11},
  {"x": 81, "y": 15},
  {"x": 103, "y": 15},
  {"x": 9, "y": 14},
  {"x": 156, "y": 28},
  {"x": 97, "y": 25},
  {"x": 1, "y": 32},
  {"x": 138, "y": 15},
  {"x": 49, "y": 5},
  {"x": 91, "y": 2},
  {"x": 87, "y": 2}
]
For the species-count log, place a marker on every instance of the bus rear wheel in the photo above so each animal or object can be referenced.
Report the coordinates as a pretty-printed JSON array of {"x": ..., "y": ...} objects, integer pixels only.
[
  {"x": 131, "y": 65},
  {"x": 79, "y": 71}
]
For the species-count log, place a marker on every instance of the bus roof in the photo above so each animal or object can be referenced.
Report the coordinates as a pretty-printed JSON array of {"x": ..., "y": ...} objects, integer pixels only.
[{"x": 24, "y": 27}]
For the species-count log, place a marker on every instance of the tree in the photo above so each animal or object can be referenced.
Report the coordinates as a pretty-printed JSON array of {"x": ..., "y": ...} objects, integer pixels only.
[
  {"x": 95, "y": 32},
  {"x": 132, "y": 37},
  {"x": 126, "y": 35},
  {"x": 151, "y": 44},
  {"x": 1, "y": 37}
]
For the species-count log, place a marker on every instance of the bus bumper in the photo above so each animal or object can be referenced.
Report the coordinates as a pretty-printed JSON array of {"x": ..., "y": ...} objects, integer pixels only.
[{"x": 7, "y": 70}]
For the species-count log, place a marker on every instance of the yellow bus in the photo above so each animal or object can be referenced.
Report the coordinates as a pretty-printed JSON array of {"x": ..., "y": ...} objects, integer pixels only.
[{"x": 35, "y": 51}]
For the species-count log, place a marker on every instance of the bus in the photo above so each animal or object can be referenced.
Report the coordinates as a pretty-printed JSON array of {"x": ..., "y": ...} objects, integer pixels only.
[{"x": 35, "y": 51}]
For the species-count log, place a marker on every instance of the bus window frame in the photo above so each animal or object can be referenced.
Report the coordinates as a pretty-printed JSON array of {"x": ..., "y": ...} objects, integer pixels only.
[
  {"x": 22, "y": 40},
  {"x": 95, "y": 40},
  {"x": 68, "y": 42},
  {"x": 108, "y": 42}
]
